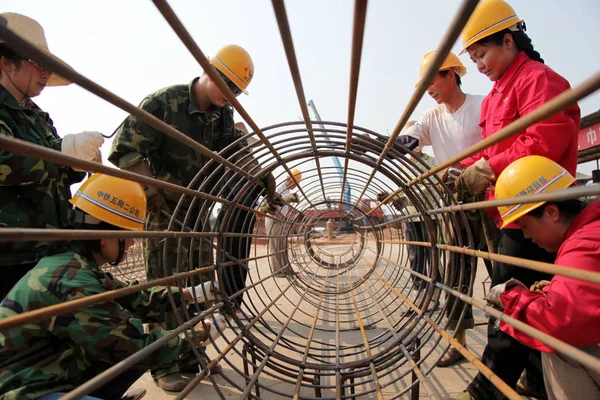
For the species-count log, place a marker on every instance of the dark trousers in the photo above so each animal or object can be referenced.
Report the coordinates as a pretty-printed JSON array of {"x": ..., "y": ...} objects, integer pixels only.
[
  {"x": 505, "y": 356},
  {"x": 233, "y": 277},
  {"x": 11, "y": 274},
  {"x": 418, "y": 256}
]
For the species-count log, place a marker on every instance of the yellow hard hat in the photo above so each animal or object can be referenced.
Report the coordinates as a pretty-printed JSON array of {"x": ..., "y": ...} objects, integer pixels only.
[
  {"x": 297, "y": 174},
  {"x": 235, "y": 63},
  {"x": 451, "y": 62},
  {"x": 113, "y": 200},
  {"x": 489, "y": 17},
  {"x": 526, "y": 176}
]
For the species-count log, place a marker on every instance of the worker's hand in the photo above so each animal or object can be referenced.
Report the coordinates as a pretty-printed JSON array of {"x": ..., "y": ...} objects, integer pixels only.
[
  {"x": 290, "y": 198},
  {"x": 382, "y": 196},
  {"x": 206, "y": 291},
  {"x": 98, "y": 157},
  {"x": 495, "y": 292},
  {"x": 538, "y": 286},
  {"x": 82, "y": 145},
  {"x": 476, "y": 178},
  {"x": 211, "y": 328},
  {"x": 267, "y": 208}
]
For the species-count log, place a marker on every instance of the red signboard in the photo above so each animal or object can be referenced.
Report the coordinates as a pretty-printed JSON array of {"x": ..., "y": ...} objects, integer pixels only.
[{"x": 589, "y": 137}]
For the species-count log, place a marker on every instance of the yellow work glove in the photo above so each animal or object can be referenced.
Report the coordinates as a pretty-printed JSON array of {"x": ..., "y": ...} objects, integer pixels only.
[
  {"x": 495, "y": 292},
  {"x": 476, "y": 178},
  {"x": 538, "y": 286}
]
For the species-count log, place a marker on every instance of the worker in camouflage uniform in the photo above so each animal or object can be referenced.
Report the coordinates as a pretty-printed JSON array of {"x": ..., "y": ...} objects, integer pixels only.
[
  {"x": 35, "y": 193},
  {"x": 200, "y": 111},
  {"x": 60, "y": 353}
]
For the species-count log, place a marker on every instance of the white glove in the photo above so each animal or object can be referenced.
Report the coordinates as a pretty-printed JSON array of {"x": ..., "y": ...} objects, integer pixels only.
[
  {"x": 290, "y": 198},
  {"x": 203, "y": 292},
  {"x": 495, "y": 292},
  {"x": 84, "y": 145},
  {"x": 215, "y": 326}
]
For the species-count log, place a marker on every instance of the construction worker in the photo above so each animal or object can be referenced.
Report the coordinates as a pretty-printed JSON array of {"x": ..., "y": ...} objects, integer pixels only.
[
  {"x": 35, "y": 193},
  {"x": 450, "y": 128},
  {"x": 564, "y": 308},
  {"x": 496, "y": 41},
  {"x": 47, "y": 358},
  {"x": 200, "y": 111},
  {"x": 279, "y": 263}
]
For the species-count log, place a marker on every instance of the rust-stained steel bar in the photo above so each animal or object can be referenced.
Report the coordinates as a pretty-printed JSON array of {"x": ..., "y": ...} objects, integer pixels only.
[
  {"x": 288, "y": 45},
  {"x": 36, "y": 234},
  {"x": 38, "y": 315},
  {"x": 493, "y": 378},
  {"x": 358, "y": 33},
  {"x": 558, "y": 103},
  {"x": 363, "y": 334},
  {"x": 553, "y": 269},
  {"x": 309, "y": 340},
  {"x": 282, "y": 330},
  {"x": 122, "y": 366},
  {"x": 560, "y": 346},
  {"x": 460, "y": 19},
  {"x": 185, "y": 37},
  {"x": 29, "y": 50}
]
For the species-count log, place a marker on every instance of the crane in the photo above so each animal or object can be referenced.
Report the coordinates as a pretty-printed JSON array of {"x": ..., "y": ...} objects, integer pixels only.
[{"x": 336, "y": 160}]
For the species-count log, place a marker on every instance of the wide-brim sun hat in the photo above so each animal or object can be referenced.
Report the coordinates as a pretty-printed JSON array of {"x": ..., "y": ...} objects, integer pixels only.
[{"x": 30, "y": 30}]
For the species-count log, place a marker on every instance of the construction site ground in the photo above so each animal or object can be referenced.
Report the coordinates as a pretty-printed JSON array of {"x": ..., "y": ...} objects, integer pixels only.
[{"x": 442, "y": 382}]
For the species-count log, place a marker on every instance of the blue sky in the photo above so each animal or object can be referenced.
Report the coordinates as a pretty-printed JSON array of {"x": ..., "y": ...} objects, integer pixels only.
[{"x": 127, "y": 47}]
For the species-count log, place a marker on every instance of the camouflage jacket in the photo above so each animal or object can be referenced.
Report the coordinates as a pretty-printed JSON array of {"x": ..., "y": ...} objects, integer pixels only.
[
  {"x": 35, "y": 193},
  {"x": 169, "y": 159},
  {"x": 60, "y": 353}
]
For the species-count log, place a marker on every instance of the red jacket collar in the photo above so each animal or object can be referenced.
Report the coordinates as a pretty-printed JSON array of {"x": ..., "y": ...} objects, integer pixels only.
[
  {"x": 589, "y": 214},
  {"x": 511, "y": 71}
]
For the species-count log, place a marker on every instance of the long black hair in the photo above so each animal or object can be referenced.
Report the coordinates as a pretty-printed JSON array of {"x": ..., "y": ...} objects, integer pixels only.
[{"x": 522, "y": 41}]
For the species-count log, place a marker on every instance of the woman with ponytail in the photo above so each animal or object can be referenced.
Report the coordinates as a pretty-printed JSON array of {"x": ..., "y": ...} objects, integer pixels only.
[{"x": 496, "y": 41}]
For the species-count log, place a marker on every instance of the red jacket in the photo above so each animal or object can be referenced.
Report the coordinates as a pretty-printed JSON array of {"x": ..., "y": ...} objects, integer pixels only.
[
  {"x": 570, "y": 310},
  {"x": 525, "y": 86}
]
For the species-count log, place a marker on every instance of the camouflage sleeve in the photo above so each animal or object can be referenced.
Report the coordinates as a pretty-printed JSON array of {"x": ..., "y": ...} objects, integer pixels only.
[
  {"x": 17, "y": 169},
  {"x": 107, "y": 331},
  {"x": 136, "y": 141},
  {"x": 150, "y": 305}
]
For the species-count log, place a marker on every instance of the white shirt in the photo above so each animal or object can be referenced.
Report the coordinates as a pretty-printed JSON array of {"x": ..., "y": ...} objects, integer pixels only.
[{"x": 449, "y": 134}]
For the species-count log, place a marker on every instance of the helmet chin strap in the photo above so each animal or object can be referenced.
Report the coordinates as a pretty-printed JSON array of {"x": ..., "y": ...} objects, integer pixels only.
[{"x": 121, "y": 253}]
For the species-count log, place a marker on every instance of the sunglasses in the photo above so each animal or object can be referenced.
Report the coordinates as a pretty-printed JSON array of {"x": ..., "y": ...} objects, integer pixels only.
[{"x": 236, "y": 90}]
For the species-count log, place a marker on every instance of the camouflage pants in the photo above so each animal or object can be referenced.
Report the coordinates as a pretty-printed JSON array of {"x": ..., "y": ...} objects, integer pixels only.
[{"x": 165, "y": 257}]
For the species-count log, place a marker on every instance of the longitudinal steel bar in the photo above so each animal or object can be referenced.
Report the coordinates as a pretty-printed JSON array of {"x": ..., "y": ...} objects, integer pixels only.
[
  {"x": 493, "y": 378},
  {"x": 309, "y": 339},
  {"x": 358, "y": 33},
  {"x": 456, "y": 26},
  {"x": 36, "y": 234},
  {"x": 15, "y": 145},
  {"x": 541, "y": 113},
  {"x": 288, "y": 45},
  {"x": 122, "y": 366},
  {"x": 282, "y": 330},
  {"x": 555, "y": 195},
  {"x": 553, "y": 269},
  {"x": 185, "y": 37},
  {"x": 560, "y": 346},
  {"x": 29, "y": 50},
  {"x": 401, "y": 345},
  {"x": 38, "y": 315},
  {"x": 558, "y": 103}
]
